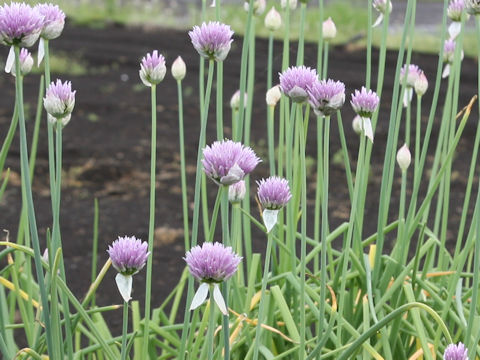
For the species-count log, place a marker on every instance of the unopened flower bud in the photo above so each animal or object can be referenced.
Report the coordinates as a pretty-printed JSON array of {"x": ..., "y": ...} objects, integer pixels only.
[
  {"x": 329, "y": 29},
  {"x": 179, "y": 69},
  {"x": 357, "y": 124},
  {"x": 26, "y": 63},
  {"x": 152, "y": 68},
  {"x": 404, "y": 158},
  {"x": 291, "y": 3},
  {"x": 235, "y": 100},
  {"x": 273, "y": 20},
  {"x": 259, "y": 6},
  {"x": 273, "y": 95},
  {"x": 421, "y": 84},
  {"x": 59, "y": 100},
  {"x": 236, "y": 192}
]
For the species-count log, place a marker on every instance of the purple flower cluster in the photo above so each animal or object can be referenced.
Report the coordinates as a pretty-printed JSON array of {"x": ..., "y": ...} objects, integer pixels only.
[
  {"x": 212, "y": 40},
  {"x": 152, "y": 68},
  {"x": 273, "y": 193},
  {"x": 128, "y": 255},
  {"x": 296, "y": 81},
  {"x": 227, "y": 162},
  {"x": 53, "y": 20},
  {"x": 455, "y": 9},
  {"x": 20, "y": 24},
  {"x": 326, "y": 96},
  {"x": 365, "y": 102},
  {"x": 26, "y": 63},
  {"x": 456, "y": 352},
  {"x": 212, "y": 262},
  {"x": 59, "y": 99},
  {"x": 412, "y": 74}
]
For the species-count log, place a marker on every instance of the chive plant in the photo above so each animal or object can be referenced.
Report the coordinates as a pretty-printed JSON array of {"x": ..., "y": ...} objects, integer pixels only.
[{"x": 307, "y": 297}]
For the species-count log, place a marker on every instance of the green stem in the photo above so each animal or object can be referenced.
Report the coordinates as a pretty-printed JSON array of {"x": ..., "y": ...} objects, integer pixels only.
[
  {"x": 28, "y": 192},
  {"x": 219, "y": 92},
  {"x": 301, "y": 36},
  {"x": 124, "y": 331},
  {"x": 196, "y": 206},
  {"x": 151, "y": 222},
  {"x": 211, "y": 327},
  {"x": 271, "y": 139},
  {"x": 183, "y": 173},
  {"x": 261, "y": 305},
  {"x": 270, "y": 60}
]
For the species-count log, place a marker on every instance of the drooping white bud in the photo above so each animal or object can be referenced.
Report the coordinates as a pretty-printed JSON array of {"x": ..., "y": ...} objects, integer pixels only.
[
  {"x": 179, "y": 69},
  {"x": 404, "y": 158},
  {"x": 329, "y": 29},
  {"x": 421, "y": 84},
  {"x": 273, "y": 95},
  {"x": 357, "y": 124},
  {"x": 273, "y": 20},
  {"x": 291, "y": 3}
]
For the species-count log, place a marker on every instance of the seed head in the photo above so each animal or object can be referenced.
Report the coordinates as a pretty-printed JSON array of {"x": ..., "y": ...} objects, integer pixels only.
[{"x": 212, "y": 40}]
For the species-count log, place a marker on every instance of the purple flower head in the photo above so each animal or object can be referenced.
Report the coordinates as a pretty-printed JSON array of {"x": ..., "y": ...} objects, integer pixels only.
[
  {"x": 413, "y": 74},
  {"x": 59, "y": 99},
  {"x": 365, "y": 102},
  {"x": 212, "y": 262},
  {"x": 212, "y": 40},
  {"x": 128, "y": 254},
  {"x": 449, "y": 50},
  {"x": 20, "y": 24},
  {"x": 295, "y": 82},
  {"x": 326, "y": 96},
  {"x": 455, "y": 9},
  {"x": 237, "y": 191},
  {"x": 472, "y": 7},
  {"x": 26, "y": 63},
  {"x": 273, "y": 193},
  {"x": 152, "y": 68},
  {"x": 227, "y": 162},
  {"x": 456, "y": 352},
  {"x": 53, "y": 20}
]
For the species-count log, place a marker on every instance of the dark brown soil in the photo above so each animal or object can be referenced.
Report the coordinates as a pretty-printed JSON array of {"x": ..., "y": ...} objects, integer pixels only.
[{"x": 106, "y": 147}]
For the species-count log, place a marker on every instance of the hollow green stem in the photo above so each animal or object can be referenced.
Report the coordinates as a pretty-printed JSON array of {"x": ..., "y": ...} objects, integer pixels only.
[
  {"x": 151, "y": 221},
  {"x": 124, "y": 331}
]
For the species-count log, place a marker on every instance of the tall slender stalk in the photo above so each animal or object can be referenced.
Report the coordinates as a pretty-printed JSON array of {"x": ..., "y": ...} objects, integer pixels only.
[
  {"x": 29, "y": 198},
  {"x": 124, "y": 331},
  {"x": 151, "y": 222},
  {"x": 183, "y": 173},
  {"x": 196, "y": 208}
]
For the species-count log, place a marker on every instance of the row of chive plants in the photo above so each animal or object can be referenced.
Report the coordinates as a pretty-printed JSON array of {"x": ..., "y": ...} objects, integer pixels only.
[{"x": 356, "y": 301}]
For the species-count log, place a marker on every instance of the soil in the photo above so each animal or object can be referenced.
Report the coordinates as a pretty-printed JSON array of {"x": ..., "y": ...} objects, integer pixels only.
[{"x": 106, "y": 147}]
